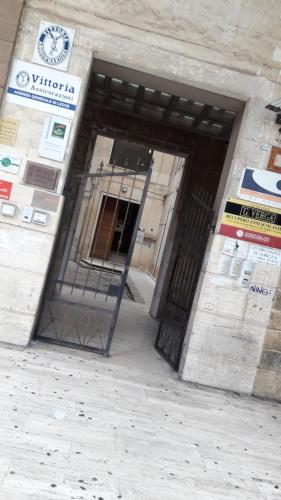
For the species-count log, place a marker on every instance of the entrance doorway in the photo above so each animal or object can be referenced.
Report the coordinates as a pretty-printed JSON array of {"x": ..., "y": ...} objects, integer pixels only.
[
  {"x": 115, "y": 227},
  {"x": 105, "y": 199}
]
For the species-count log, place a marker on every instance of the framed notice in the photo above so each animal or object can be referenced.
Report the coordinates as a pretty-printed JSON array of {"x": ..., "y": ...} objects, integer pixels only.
[
  {"x": 274, "y": 162},
  {"x": 41, "y": 176}
]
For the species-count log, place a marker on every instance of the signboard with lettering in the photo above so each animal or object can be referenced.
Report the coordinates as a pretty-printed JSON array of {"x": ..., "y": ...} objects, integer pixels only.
[
  {"x": 8, "y": 131},
  {"x": 5, "y": 189},
  {"x": 53, "y": 46},
  {"x": 41, "y": 176},
  {"x": 250, "y": 222},
  {"x": 267, "y": 256},
  {"x": 261, "y": 186},
  {"x": 54, "y": 137},
  {"x": 43, "y": 88}
]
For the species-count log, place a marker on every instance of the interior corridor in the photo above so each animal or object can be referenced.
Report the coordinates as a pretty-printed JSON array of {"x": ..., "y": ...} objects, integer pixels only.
[{"x": 133, "y": 341}]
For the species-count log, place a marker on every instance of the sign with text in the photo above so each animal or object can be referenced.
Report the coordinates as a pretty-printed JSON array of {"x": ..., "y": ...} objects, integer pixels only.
[
  {"x": 261, "y": 186},
  {"x": 54, "y": 138},
  {"x": 250, "y": 222},
  {"x": 41, "y": 176},
  {"x": 8, "y": 131},
  {"x": 53, "y": 46},
  {"x": 10, "y": 160},
  {"x": 43, "y": 88},
  {"x": 267, "y": 256},
  {"x": 5, "y": 189}
]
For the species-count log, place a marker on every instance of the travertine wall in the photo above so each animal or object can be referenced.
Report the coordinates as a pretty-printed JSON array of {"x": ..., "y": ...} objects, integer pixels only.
[
  {"x": 268, "y": 377},
  {"x": 10, "y": 14},
  {"x": 232, "y": 48}
]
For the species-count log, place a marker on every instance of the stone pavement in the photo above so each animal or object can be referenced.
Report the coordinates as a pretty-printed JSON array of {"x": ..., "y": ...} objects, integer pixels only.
[{"x": 75, "y": 425}]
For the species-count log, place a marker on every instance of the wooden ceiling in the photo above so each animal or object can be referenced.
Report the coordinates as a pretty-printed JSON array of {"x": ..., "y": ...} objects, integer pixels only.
[{"x": 159, "y": 107}]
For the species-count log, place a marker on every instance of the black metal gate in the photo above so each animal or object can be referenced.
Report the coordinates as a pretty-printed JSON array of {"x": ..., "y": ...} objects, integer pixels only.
[
  {"x": 196, "y": 224},
  {"x": 86, "y": 283}
]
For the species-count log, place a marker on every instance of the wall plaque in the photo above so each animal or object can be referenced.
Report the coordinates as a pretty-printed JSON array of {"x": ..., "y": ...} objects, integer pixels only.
[
  {"x": 5, "y": 189},
  {"x": 8, "y": 131},
  {"x": 53, "y": 46},
  {"x": 46, "y": 201},
  {"x": 41, "y": 176}
]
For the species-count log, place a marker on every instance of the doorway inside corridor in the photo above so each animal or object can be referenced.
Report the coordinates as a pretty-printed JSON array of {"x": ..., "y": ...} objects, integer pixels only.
[
  {"x": 131, "y": 120},
  {"x": 114, "y": 230}
]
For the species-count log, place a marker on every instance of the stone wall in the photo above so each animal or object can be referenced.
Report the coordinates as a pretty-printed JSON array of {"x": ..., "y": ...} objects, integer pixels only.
[
  {"x": 10, "y": 14},
  {"x": 268, "y": 377},
  {"x": 231, "y": 48}
]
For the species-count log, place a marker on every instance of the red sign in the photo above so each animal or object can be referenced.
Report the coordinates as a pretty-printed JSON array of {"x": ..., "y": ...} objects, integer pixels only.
[{"x": 5, "y": 189}]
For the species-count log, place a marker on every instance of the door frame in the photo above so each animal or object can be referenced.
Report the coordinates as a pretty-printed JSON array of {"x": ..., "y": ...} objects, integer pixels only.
[{"x": 102, "y": 193}]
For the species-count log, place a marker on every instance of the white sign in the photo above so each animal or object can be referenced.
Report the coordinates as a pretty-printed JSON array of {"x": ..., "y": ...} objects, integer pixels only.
[
  {"x": 265, "y": 255},
  {"x": 53, "y": 45},
  {"x": 247, "y": 271},
  {"x": 225, "y": 264},
  {"x": 43, "y": 88},
  {"x": 261, "y": 186},
  {"x": 10, "y": 160},
  {"x": 236, "y": 268},
  {"x": 54, "y": 137},
  {"x": 236, "y": 248}
]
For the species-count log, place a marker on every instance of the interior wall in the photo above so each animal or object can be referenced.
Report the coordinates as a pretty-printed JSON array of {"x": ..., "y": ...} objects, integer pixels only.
[{"x": 203, "y": 168}]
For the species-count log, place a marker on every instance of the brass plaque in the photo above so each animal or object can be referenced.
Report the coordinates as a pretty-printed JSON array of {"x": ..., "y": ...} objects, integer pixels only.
[{"x": 41, "y": 176}]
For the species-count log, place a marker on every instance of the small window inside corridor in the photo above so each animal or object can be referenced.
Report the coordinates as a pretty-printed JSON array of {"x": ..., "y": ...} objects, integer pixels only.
[{"x": 130, "y": 155}]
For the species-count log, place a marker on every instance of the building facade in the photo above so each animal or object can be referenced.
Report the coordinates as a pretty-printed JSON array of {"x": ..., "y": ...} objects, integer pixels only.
[{"x": 223, "y": 56}]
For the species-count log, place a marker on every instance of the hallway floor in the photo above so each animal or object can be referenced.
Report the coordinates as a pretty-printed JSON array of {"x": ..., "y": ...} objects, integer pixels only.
[{"x": 75, "y": 425}]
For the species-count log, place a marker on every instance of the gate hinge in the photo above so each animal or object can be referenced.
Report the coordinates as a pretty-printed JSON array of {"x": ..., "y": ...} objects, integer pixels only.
[{"x": 212, "y": 226}]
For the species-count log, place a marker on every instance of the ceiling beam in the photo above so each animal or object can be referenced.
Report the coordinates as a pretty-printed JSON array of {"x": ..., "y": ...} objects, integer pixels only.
[
  {"x": 139, "y": 98},
  {"x": 171, "y": 107}
]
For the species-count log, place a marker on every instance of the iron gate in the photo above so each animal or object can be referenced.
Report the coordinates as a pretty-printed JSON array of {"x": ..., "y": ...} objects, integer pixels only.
[
  {"x": 84, "y": 290},
  {"x": 196, "y": 225}
]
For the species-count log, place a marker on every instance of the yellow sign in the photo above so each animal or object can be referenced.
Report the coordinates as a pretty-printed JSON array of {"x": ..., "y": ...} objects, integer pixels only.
[
  {"x": 8, "y": 131},
  {"x": 251, "y": 222}
]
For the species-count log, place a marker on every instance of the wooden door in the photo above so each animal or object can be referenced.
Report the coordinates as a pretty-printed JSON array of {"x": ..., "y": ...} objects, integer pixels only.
[{"x": 105, "y": 229}]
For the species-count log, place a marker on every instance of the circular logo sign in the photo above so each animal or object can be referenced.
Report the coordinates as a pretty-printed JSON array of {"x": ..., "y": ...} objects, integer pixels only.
[
  {"x": 6, "y": 162},
  {"x": 240, "y": 233},
  {"x": 53, "y": 45},
  {"x": 22, "y": 78}
]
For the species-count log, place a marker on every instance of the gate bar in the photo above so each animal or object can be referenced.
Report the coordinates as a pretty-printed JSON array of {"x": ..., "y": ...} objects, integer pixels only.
[{"x": 128, "y": 260}]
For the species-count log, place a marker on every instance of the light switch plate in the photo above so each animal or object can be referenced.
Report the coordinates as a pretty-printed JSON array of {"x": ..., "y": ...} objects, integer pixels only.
[
  {"x": 40, "y": 217},
  {"x": 8, "y": 209},
  {"x": 27, "y": 214}
]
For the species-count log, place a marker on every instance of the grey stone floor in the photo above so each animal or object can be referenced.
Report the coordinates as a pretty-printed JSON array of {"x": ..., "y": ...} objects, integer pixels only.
[{"x": 74, "y": 425}]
